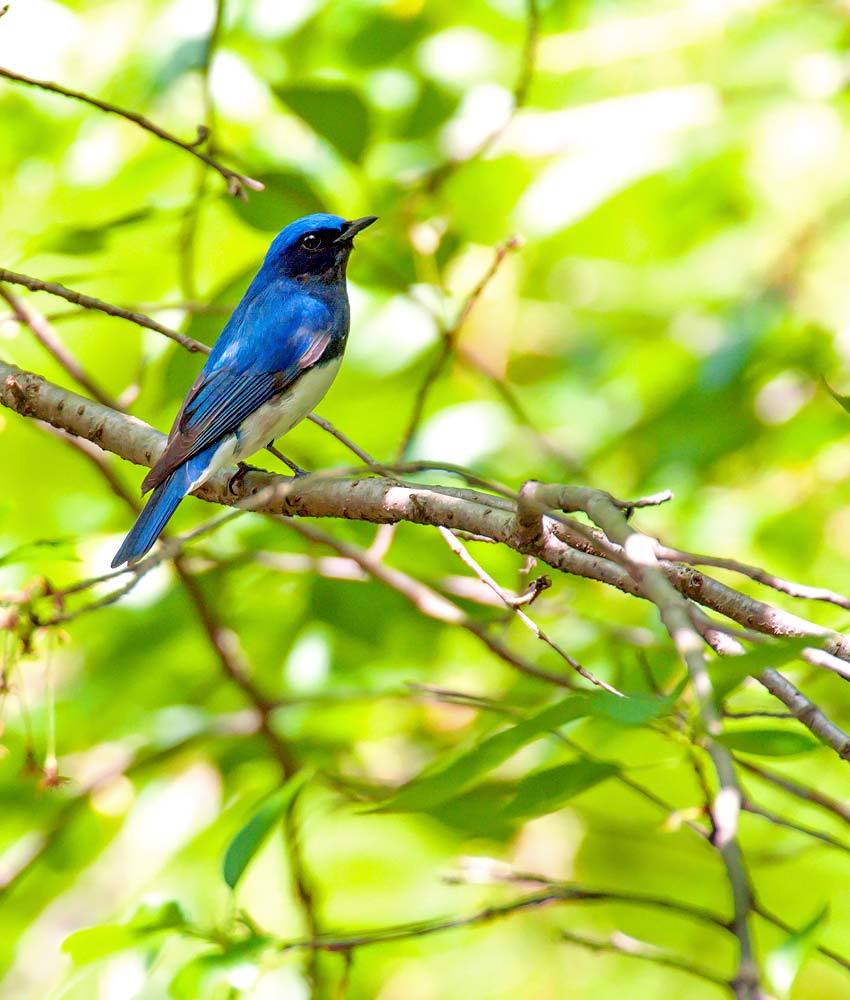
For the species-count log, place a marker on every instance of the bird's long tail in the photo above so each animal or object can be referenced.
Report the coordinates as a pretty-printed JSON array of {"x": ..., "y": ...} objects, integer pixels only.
[{"x": 159, "y": 508}]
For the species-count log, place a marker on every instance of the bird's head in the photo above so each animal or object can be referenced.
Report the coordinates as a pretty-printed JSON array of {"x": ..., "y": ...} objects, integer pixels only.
[{"x": 315, "y": 246}]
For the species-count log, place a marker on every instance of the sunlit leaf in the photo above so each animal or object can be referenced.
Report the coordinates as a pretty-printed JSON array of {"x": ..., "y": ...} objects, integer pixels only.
[
  {"x": 287, "y": 196},
  {"x": 784, "y": 963},
  {"x": 728, "y": 672},
  {"x": 334, "y": 111},
  {"x": 547, "y": 790},
  {"x": 192, "y": 980},
  {"x": 60, "y": 550},
  {"x": 769, "y": 742},
  {"x": 252, "y": 836},
  {"x": 96, "y": 942},
  {"x": 446, "y": 781}
]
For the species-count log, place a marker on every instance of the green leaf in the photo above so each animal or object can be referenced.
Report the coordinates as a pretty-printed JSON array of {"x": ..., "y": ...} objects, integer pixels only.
[
  {"x": 433, "y": 107},
  {"x": 202, "y": 972},
  {"x": 444, "y": 783},
  {"x": 20, "y": 552},
  {"x": 382, "y": 38},
  {"x": 84, "y": 240},
  {"x": 784, "y": 963},
  {"x": 497, "y": 183},
  {"x": 728, "y": 672},
  {"x": 545, "y": 791},
  {"x": 93, "y": 943},
  {"x": 251, "y": 837},
  {"x": 287, "y": 196},
  {"x": 156, "y": 917},
  {"x": 769, "y": 742},
  {"x": 335, "y": 112},
  {"x": 636, "y": 709},
  {"x": 479, "y": 811}
]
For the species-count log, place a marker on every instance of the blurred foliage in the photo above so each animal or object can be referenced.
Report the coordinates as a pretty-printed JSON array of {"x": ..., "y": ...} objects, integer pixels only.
[{"x": 678, "y": 175}]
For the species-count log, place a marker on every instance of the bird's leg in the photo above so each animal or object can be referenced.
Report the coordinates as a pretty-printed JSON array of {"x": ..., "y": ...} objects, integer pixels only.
[
  {"x": 242, "y": 470},
  {"x": 296, "y": 469}
]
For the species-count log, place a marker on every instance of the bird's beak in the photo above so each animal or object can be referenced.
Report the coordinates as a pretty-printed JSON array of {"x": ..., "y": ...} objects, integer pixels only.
[{"x": 353, "y": 227}]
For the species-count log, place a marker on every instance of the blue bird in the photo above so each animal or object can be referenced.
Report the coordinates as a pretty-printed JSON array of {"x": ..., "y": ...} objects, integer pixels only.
[{"x": 272, "y": 363}]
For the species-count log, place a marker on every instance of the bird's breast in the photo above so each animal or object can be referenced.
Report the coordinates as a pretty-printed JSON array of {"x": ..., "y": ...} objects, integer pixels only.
[{"x": 281, "y": 414}]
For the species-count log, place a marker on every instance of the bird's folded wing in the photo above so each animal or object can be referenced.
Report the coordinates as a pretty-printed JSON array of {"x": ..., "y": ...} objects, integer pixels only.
[{"x": 217, "y": 404}]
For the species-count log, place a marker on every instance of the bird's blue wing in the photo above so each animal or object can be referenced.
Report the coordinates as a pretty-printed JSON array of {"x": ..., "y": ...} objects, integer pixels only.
[{"x": 258, "y": 356}]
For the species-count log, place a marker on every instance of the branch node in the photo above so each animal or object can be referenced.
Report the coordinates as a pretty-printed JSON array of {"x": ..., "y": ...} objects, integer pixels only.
[{"x": 528, "y": 523}]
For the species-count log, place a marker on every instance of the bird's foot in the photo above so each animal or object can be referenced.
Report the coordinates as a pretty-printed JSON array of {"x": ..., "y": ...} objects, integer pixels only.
[
  {"x": 297, "y": 471},
  {"x": 242, "y": 470}
]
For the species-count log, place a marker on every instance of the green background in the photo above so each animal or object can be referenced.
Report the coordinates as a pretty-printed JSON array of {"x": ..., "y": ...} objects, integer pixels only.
[{"x": 679, "y": 176}]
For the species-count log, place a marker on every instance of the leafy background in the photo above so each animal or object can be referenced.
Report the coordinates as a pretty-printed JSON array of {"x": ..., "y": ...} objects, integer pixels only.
[{"x": 677, "y": 174}]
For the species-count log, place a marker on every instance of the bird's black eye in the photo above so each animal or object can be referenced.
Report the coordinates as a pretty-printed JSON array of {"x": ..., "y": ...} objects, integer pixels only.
[{"x": 312, "y": 241}]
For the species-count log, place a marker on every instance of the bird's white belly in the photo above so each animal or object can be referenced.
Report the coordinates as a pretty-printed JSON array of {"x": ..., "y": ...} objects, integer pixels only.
[
  {"x": 274, "y": 418},
  {"x": 281, "y": 414}
]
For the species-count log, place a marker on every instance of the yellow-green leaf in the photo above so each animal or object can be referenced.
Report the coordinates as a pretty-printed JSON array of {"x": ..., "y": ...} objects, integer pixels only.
[{"x": 251, "y": 837}]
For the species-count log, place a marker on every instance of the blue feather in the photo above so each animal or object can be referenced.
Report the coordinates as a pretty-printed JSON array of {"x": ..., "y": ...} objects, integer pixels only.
[{"x": 159, "y": 508}]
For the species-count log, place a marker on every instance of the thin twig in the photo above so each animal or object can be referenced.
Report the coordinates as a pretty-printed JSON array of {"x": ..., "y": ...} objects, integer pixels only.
[
  {"x": 510, "y": 602},
  {"x": 46, "y": 336},
  {"x": 825, "y": 838},
  {"x": 813, "y": 795},
  {"x": 449, "y": 340},
  {"x": 799, "y": 590},
  {"x": 427, "y": 601},
  {"x": 432, "y": 181},
  {"x": 623, "y": 944},
  {"x": 89, "y": 302},
  {"x": 236, "y": 182},
  {"x": 554, "y": 893}
]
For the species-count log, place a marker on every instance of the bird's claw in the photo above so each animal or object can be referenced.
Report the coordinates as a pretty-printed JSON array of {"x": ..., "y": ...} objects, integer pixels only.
[{"x": 242, "y": 470}]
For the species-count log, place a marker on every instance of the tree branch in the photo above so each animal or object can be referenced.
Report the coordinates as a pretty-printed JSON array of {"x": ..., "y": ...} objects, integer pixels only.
[
  {"x": 236, "y": 182},
  {"x": 89, "y": 302},
  {"x": 387, "y": 501},
  {"x": 449, "y": 341}
]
